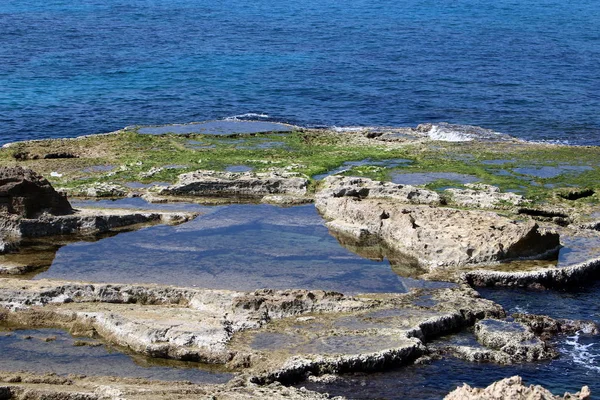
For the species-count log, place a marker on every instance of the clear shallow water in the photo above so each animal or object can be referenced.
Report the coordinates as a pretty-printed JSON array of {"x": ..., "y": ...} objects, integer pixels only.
[
  {"x": 28, "y": 350},
  {"x": 528, "y": 69},
  {"x": 241, "y": 247}
]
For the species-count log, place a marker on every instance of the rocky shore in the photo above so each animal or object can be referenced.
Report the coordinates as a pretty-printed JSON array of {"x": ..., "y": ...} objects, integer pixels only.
[{"x": 474, "y": 234}]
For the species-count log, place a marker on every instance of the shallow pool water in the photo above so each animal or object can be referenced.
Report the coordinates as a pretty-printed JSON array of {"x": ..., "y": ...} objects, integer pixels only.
[
  {"x": 423, "y": 178},
  {"x": 391, "y": 163},
  {"x": 241, "y": 247},
  {"x": 53, "y": 350},
  {"x": 552, "y": 171}
]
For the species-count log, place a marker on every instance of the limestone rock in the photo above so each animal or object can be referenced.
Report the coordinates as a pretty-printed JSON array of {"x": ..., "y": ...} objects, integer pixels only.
[
  {"x": 479, "y": 195},
  {"x": 513, "y": 389},
  {"x": 434, "y": 236},
  {"x": 513, "y": 338},
  {"x": 99, "y": 190},
  {"x": 24, "y": 193},
  {"x": 336, "y": 186},
  {"x": 237, "y": 184}
]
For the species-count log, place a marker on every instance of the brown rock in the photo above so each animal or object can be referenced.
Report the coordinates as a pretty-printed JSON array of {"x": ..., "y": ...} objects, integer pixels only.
[{"x": 24, "y": 193}]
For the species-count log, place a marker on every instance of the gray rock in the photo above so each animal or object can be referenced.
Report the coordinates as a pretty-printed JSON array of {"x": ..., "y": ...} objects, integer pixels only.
[
  {"x": 336, "y": 186},
  {"x": 541, "y": 278},
  {"x": 479, "y": 195},
  {"x": 97, "y": 190},
  {"x": 273, "y": 335},
  {"x": 237, "y": 184},
  {"x": 512, "y": 388},
  {"x": 512, "y": 338},
  {"x": 545, "y": 326},
  {"x": 434, "y": 236},
  {"x": 24, "y": 193}
]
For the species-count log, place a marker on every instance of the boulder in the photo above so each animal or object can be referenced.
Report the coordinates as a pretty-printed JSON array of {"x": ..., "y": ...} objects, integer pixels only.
[
  {"x": 237, "y": 184},
  {"x": 24, "y": 193},
  {"x": 407, "y": 220},
  {"x": 512, "y": 388}
]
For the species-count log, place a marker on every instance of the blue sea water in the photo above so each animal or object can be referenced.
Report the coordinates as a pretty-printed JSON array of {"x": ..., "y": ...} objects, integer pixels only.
[{"x": 529, "y": 69}]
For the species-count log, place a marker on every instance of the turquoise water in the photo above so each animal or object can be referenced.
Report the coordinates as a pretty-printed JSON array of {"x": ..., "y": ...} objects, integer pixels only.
[{"x": 529, "y": 69}]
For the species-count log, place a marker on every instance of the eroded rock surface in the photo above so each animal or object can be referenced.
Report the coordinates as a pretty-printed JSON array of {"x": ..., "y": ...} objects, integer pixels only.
[
  {"x": 24, "y": 193},
  {"x": 512, "y": 338},
  {"x": 478, "y": 195},
  {"x": 404, "y": 218},
  {"x": 274, "y": 335},
  {"x": 540, "y": 278},
  {"x": 512, "y": 388},
  {"x": 237, "y": 184},
  {"x": 22, "y": 385}
]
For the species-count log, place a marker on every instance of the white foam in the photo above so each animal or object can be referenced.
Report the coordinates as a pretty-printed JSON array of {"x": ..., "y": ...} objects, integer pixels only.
[
  {"x": 350, "y": 128},
  {"x": 583, "y": 354},
  {"x": 246, "y": 116},
  {"x": 447, "y": 135}
]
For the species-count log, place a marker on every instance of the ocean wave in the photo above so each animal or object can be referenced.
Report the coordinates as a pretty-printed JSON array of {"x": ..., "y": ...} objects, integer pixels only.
[
  {"x": 583, "y": 354},
  {"x": 460, "y": 133},
  {"x": 247, "y": 117}
]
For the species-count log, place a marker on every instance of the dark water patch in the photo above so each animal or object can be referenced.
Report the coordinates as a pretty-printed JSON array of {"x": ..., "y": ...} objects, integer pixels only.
[
  {"x": 391, "y": 163},
  {"x": 238, "y": 168},
  {"x": 423, "y": 178},
  {"x": 140, "y": 185},
  {"x": 53, "y": 350},
  {"x": 99, "y": 168},
  {"x": 242, "y": 247},
  {"x": 497, "y": 162},
  {"x": 572, "y": 303},
  {"x": 435, "y": 380},
  {"x": 217, "y": 128},
  {"x": 552, "y": 171}
]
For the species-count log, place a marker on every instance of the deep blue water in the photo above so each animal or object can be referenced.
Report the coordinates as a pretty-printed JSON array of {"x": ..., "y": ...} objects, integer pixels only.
[{"x": 529, "y": 69}]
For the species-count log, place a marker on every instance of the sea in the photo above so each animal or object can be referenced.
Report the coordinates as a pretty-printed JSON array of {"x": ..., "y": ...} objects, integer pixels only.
[
  {"x": 529, "y": 69},
  {"x": 523, "y": 68}
]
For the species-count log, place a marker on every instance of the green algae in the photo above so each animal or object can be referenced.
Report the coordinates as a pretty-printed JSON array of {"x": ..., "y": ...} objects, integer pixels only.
[{"x": 311, "y": 152}]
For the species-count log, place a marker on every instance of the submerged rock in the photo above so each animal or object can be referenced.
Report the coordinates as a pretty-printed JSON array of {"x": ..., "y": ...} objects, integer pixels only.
[
  {"x": 434, "y": 236},
  {"x": 512, "y": 388},
  {"x": 24, "y": 193},
  {"x": 237, "y": 184}
]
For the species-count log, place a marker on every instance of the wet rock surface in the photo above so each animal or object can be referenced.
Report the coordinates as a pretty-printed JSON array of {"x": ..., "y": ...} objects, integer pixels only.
[
  {"x": 434, "y": 236},
  {"x": 512, "y": 388},
  {"x": 512, "y": 338},
  {"x": 237, "y": 184}
]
